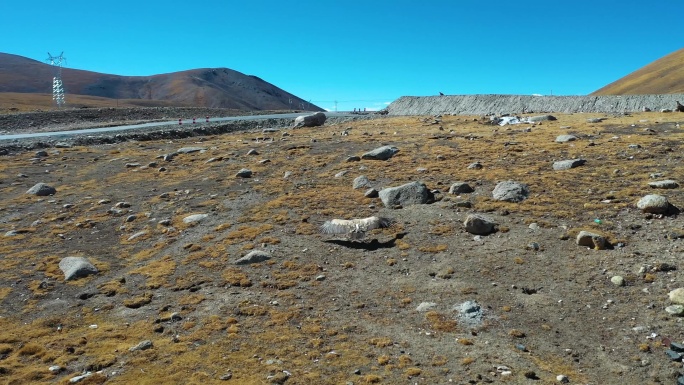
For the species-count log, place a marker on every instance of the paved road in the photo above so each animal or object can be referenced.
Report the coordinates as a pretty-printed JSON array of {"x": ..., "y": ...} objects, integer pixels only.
[{"x": 99, "y": 130}]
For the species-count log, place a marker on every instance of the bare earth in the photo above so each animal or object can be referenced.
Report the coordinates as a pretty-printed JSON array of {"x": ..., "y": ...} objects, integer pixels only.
[{"x": 327, "y": 311}]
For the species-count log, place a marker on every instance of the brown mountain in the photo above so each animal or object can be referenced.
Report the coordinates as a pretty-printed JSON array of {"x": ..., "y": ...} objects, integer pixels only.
[
  {"x": 204, "y": 87},
  {"x": 663, "y": 76}
]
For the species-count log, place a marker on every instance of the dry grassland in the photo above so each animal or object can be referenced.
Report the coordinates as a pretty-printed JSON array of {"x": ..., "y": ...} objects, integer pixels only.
[{"x": 322, "y": 313}]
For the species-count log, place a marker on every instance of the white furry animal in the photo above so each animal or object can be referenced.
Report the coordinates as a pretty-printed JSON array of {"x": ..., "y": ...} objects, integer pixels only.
[{"x": 355, "y": 228}]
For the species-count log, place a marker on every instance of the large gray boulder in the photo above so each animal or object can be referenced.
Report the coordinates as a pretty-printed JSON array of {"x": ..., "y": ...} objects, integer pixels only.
[
  {"x": 312, "y": 120},
  {"x": 381, "y": 153},
  {"x": 76, "y": 267},
  {"x": 654, "y": 204},
  {"x": 510, "y": 191},
  {"x": 41, "y": 190},
  {"x": 414, "y": 193}
]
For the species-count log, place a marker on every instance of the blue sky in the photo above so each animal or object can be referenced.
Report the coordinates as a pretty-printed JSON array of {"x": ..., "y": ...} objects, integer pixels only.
[{"x": 362, "y": 54}]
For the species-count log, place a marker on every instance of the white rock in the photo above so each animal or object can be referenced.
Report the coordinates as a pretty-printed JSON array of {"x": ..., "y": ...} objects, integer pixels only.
[
  {"x": 677, "y": 296},
  {"x": 195, "y": 218}
]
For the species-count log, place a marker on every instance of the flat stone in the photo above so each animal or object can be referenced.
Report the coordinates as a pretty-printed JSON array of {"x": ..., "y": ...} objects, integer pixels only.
[
  {"x": 674, "y": 356},
  {"x": 568, "y": 164},
  {"x": 676, "y": 310},
  {"x": 144, "y": 345},
  {"x": 664, "y": 184},
  {"x": 381, "y": 153},
  {"x": 194, "y": 218},
  {"x": 189, "y": 150},
  {"x": 425, "y": 306},
  {"x": 565, "y": 138},
  {"x": 254, "y": 256}
]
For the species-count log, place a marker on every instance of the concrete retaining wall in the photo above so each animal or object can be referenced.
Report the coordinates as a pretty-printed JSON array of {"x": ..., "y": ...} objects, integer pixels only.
[{"x": 517, "y": 104}]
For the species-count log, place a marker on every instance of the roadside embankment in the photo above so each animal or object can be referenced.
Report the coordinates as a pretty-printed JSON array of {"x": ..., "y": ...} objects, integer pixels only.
[{"x": 518, "y": 104}]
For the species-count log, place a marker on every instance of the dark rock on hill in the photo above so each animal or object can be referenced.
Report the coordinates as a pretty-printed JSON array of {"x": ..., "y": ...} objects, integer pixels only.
[{"x": 204, "y": 87}]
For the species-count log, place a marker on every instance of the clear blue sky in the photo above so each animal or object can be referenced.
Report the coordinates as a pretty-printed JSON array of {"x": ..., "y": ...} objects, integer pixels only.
[{"x": 364, "y": 54}]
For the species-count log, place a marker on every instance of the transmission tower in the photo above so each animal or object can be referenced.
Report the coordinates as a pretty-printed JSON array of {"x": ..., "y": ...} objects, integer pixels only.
[{"x": 57, "y": 86}]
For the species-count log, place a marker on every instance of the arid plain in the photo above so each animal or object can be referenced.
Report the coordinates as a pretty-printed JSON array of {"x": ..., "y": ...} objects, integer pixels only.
[{"x": 321, "y": 311}]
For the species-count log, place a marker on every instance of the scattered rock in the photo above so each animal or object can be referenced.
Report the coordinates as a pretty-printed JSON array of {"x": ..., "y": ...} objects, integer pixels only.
[
  {"x": 469, "y": 313},
  {"x": 475, "y": 166},
  {"x": 565, "y": 138},
  {"x": 618, "y": 280},
  {"x": 189, "y": 150},
  {"x": 252, "y": 152},
  {"x": 664, "y": 184},
  {"x": 677, "y": 296},
  {"x": 510, "y": 191},
  {"x": 312, "y": 120},
  {"x": 595, "y": 120},
  {"x": 254, "y": 256},
  {"x": 654, "y": 204},
  {"x": 353, "y": 159},
  {"x": 540, "y": 118},
  {"x": 371, "y": 193},
  {"x": 676, "y": 310},
  {"x": 194, "y": 218},
  {"x": 76, "y": 267},
  {"x": 478, "y": 224},
  {"x": 41, "y": 190},
  {"x": 425, "y": 306},
  {"x": 244, "y": 173},
  {"x": 381, "y": 153},
  {"x": 361, "y": 181},
  {"x": 77, "y": 379},
  {"x": 413, "y": 193},
  {"x": 568, "y": 164},
  {"x": 460, "y": 188},
  {"x": 144, "y": 345}
]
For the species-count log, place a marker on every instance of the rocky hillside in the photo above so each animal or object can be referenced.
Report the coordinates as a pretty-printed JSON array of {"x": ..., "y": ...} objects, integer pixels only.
[
  {"x": 517, "y": 104},
  {"x": 204, "y": 87},
  {"x": 663, "y": 76}
]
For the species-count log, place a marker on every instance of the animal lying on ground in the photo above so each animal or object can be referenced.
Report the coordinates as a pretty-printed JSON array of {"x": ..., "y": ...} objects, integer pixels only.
[{"x": 355, "y": 229}]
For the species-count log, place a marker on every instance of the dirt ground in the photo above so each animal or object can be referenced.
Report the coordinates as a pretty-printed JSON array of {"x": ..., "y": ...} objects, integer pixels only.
[{"x": 323, "y": 310}]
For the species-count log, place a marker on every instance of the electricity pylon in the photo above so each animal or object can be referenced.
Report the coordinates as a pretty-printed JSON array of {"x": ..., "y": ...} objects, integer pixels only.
[{"x": 57, "y": 86}]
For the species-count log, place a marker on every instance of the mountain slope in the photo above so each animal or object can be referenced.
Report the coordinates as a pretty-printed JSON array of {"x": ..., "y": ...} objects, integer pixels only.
[
  {"x": 204, "y": 87},
  {"x": 663, "y": 76}
]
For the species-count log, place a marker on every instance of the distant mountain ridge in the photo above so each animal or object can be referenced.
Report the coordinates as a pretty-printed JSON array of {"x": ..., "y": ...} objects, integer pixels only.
[
  {"x": 663, "y": 76},
  {"x": 203, "y": 87}
]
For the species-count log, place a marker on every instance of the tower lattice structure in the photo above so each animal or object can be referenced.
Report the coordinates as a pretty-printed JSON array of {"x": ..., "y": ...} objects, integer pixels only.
[{"x": 57, "y": 85}]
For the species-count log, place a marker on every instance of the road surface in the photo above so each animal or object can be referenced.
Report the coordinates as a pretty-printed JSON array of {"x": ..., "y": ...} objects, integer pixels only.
[{"x": 100, "y": 130}]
